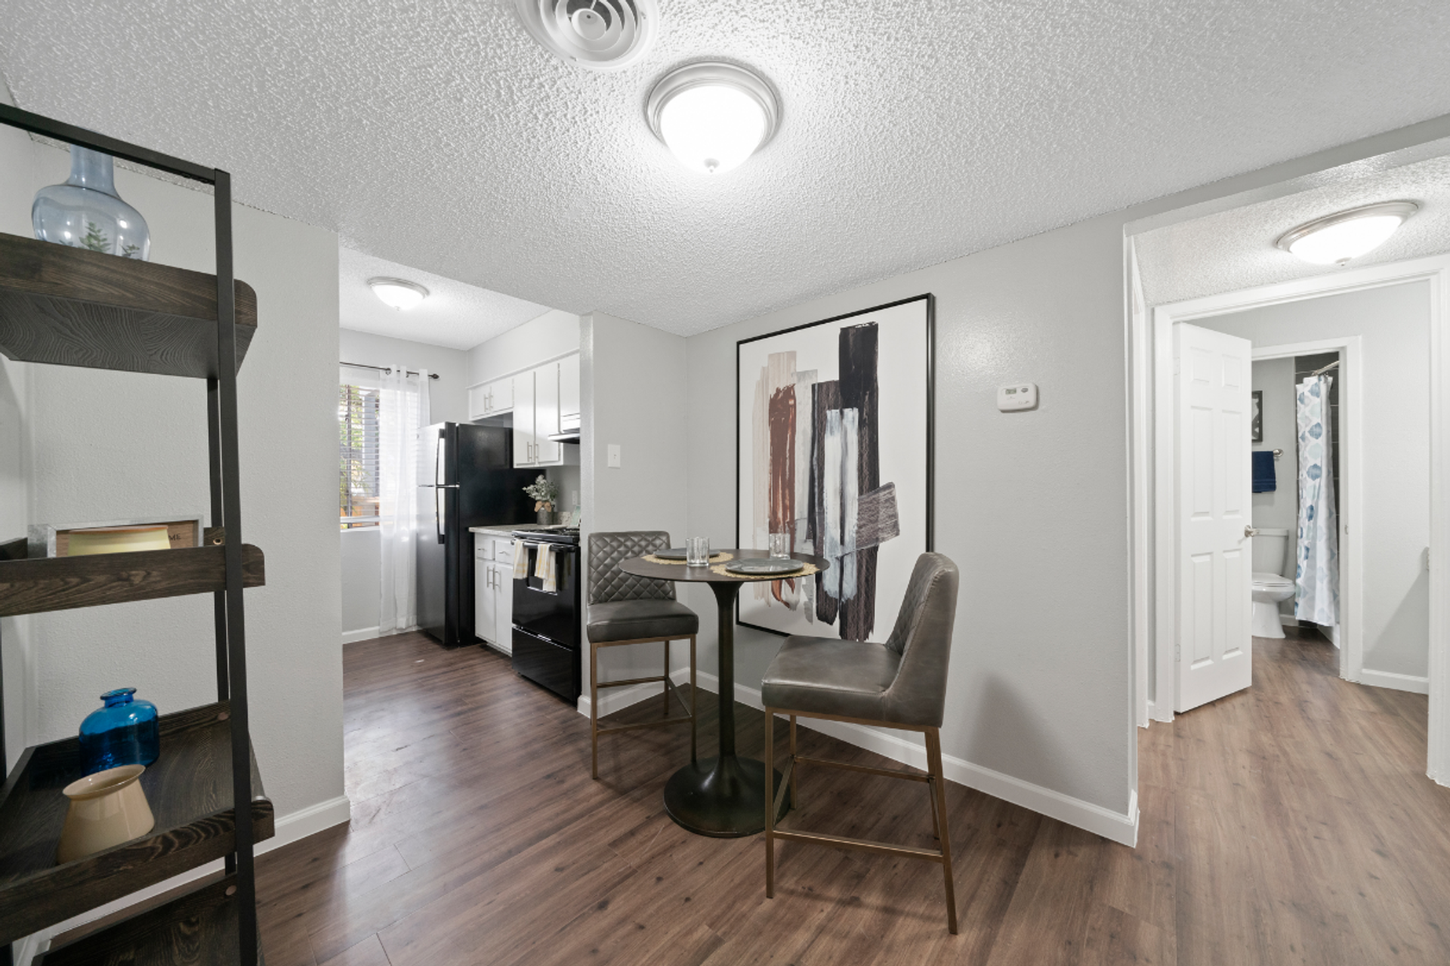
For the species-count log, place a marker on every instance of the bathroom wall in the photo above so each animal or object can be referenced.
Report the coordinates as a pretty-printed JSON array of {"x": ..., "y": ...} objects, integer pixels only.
[
  {"x": 1279, "y": 508},
  {"x": 1393, "y": 323}
]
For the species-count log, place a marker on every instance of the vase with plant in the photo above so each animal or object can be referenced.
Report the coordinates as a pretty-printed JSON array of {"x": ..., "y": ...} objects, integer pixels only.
[
  {"x": 545, "y": 494},
  {"x": 86, "y": 212}
]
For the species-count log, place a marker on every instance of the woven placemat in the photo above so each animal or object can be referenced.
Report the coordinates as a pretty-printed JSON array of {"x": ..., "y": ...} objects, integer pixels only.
[
  {"x": 720, "y": 557},
  {"x": 805, "y": 571}
]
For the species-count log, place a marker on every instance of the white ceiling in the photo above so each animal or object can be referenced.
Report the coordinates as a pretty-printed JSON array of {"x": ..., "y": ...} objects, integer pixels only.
[
  {"x": 440, "y": 135},
  {"x": 1234, "y": 249},
  {"x": 455, "y": 314}
]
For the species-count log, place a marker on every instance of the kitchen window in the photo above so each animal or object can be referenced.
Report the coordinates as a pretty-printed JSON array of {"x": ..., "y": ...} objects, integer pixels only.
[{"x": 357, "y": 423}]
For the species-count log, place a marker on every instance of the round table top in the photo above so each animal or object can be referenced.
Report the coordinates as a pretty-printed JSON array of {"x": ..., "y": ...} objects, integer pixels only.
[{"x": 640, "y": 567}]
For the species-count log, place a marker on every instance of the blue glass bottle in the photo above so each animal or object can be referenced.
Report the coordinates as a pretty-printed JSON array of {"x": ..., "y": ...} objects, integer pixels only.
[
  {"x": 86, "y": 212},
  {"x": 124, "y": 732}
]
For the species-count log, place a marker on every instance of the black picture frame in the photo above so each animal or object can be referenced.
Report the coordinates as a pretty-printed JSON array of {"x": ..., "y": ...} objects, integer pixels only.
[{"x": 930, "y": 386}]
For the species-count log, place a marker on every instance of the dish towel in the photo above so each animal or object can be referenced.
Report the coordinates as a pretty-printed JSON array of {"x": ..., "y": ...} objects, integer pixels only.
[
  {"x": 545, "y": 569},
  {"x": 1264, "y": 481},
  {"x": 521, "y": 560}
]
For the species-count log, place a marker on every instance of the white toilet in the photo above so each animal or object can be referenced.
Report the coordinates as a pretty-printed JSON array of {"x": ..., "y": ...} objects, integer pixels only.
[{"x": 1270, "y": 587}]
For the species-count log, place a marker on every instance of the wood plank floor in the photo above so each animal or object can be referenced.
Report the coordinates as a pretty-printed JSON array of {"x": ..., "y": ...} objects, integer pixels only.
[{"x": 1291, "y": 823}]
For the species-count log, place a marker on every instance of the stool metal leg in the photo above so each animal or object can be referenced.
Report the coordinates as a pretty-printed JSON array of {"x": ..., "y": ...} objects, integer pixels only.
[
  {"x": 770, "y": 803},
  {"x": 665, "y": 687},
  {"x": 939, "y": 801},
  {"x": 794, "y": 799},
  {"x": 593, "y": 711},
  {"x": 694, "y": 716}
]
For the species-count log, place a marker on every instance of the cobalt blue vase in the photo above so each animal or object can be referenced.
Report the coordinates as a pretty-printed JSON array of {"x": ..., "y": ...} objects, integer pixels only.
[{"x": 124, "y": 732}]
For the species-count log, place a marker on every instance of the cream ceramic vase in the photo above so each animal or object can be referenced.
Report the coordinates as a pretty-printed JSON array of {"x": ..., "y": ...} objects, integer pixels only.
[{"x": 106, "y": 809}]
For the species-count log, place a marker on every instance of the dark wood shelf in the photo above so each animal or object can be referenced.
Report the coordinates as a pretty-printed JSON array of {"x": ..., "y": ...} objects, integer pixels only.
[
  {"x": 62, "y": 583},
  {"x": 189, "y": 789},
  {"x": 197, "y": 929},
  {"x": 73, "y": 307}
]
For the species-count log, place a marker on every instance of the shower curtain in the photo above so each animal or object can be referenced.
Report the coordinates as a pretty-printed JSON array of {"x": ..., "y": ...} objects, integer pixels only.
[{"x": 1316, "y": 579}]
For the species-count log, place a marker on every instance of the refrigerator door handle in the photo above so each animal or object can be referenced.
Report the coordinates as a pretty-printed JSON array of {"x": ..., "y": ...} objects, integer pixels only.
[
  {"x": 438, "y": 513},
  {"x": 437, "y": 458}
]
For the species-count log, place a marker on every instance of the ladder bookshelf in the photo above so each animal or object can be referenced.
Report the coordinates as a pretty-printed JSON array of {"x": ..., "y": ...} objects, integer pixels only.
[{"x": 72, "y": 307}]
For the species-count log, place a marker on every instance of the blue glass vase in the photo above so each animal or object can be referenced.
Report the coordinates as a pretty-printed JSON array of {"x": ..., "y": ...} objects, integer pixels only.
[
  {"x": 86, "y": 212},
  {"x": 124, "y": 732}
]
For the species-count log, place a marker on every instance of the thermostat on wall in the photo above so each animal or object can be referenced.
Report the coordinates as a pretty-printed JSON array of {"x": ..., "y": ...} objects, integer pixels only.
[{"x": 1021, "y": 396}]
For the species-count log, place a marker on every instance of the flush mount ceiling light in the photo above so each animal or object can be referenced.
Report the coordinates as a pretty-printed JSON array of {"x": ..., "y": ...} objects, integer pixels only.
[
  {"x": 1335, "y": 239},
  {"x": 712, "y": 116},
  {"x": 398, "y": 293},
  {"x": 598, "y": 34}
]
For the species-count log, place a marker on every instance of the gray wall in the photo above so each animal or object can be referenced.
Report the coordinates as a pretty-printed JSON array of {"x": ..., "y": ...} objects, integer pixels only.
[
  {"x": 447, "y": 395},
  {"x": 634, "y": 393},
  {"x": 1394, "y": 324},
  {"x": 1280, "y": 507},
  {"x": 553, "y": 334},
  {"x": 1031, "y": 506},
  {"x": 105, "y": 445}
]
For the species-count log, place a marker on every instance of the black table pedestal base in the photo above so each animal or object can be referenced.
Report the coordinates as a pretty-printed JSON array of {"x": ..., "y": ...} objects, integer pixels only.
[{"x": 722, "y": 797}]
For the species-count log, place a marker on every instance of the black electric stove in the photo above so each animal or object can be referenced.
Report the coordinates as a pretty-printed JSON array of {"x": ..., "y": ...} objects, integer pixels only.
[{"x": 546, "y": 637}]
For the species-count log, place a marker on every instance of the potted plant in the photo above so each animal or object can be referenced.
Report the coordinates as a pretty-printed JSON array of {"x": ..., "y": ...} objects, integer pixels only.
[{"x": 545, "y": 495}]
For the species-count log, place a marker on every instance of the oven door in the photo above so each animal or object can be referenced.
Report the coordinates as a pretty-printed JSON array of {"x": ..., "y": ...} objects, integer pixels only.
[{"x": 550, "y": 615}]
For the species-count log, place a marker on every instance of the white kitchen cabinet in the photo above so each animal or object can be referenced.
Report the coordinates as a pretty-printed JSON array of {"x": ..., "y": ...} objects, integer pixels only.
[
  {"x": 491, "y": 399},
  {"x": 569, "y": 386},
  {"x": 546, "y": 415},
  {"x": 493, "y": 605},
  {"x": 524, "y": 439},
  {"x": 537, "y": 411}
]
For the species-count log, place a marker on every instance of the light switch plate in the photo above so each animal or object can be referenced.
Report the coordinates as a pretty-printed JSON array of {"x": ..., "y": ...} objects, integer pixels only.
[
  {"x": 614, "y": 455},
  {"x": 1011, "y": 399}
]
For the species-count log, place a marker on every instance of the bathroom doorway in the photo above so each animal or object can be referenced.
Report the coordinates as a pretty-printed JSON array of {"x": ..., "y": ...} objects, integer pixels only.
[{"x": 1154, "y": 504}]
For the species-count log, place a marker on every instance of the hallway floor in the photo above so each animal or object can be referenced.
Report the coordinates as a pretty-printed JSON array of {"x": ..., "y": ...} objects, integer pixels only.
[{"x": 1291, "y": 823}]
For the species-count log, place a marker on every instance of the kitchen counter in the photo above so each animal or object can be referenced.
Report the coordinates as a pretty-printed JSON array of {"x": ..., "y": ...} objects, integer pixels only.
[{"x": 504, "y": 529}]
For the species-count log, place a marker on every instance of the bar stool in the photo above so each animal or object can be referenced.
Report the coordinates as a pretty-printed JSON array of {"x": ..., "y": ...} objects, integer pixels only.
[
  {"x": 900, "y": 684},
  {"x": 625, "y": 609}
]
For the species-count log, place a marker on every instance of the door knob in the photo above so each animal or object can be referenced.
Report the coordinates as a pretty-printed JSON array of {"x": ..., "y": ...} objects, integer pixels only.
[{"x": 1250, "y": 532}]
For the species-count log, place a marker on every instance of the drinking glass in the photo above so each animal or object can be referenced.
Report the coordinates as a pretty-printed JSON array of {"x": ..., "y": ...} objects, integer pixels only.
[
  {"x": 697, "y": 551},
  {"x": 780, "y": 545}
]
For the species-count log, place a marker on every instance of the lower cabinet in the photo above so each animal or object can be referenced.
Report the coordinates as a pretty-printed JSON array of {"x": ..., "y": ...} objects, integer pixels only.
[{"x": 493, "y": 594}]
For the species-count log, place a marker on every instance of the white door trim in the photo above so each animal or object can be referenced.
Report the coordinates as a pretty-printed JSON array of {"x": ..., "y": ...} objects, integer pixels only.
[{"x": 1152, "y": 443}]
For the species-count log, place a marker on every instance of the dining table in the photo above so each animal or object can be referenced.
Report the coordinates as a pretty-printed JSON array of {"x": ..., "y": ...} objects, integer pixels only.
[{"x": 722, "y": 796}]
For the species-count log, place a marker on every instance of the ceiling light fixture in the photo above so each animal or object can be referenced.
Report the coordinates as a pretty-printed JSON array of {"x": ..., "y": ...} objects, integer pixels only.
[
  {"x": 712, "y": 116},
  {"x": 1335, "y": 239},
  {"x": 398, "y": 293}
]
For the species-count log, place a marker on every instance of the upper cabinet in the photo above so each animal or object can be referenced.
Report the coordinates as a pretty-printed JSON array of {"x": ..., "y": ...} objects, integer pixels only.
[
  {"x": 541, "y": 397},
  {"x": 492, "y": 398}
]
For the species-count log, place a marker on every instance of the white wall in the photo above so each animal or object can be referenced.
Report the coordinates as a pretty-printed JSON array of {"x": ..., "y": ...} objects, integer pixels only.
[
  {"x": 553, "y": 334},
  {"x": 1394, "y": 323},
  {"x": 1279, "y": 507},
  {"x": 121, "y": 445},
  {"x": 1031, "y": 507},
  {"x": 447, "y": 395},
  {"x": 633, "y": 391}
]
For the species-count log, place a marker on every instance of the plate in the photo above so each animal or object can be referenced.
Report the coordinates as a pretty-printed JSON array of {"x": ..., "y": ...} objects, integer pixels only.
[
  {"x": 755, "y": 566},
  {"x": 672, "y": 554}
]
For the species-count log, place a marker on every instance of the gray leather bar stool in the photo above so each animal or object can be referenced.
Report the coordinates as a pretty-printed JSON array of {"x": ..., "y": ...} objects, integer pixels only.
[
  {"x": 625, "y": 609},
  {"x": 900, "y": 684}
]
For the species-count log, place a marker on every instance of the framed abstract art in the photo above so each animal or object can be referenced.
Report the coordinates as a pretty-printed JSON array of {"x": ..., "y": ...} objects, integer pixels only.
[{"x": 834, "y": 449}]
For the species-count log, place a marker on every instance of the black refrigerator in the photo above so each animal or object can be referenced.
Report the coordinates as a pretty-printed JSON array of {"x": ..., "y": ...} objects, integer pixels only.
[{"x": 473, "y": 483}]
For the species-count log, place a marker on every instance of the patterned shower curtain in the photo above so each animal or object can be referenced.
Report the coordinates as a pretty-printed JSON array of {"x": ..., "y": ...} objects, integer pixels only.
[{"x": 1316, "y": 592}]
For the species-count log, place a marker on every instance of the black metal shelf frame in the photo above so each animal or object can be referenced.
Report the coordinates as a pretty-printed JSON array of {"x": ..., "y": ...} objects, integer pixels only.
[{"x": 221, "y": 395}]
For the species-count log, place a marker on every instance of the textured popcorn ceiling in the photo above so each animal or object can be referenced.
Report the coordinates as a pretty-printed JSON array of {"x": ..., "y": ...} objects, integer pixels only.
[
  {"x": 439, "y": 135},
  {"x": 455, "y": 314},
  {"x": 1235, "y": 249}
]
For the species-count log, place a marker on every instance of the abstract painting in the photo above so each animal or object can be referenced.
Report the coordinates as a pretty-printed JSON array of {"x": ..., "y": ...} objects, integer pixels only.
[{"x": 833, "y": 448}]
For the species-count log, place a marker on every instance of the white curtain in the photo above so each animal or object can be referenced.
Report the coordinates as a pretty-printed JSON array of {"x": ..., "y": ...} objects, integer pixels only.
[
  {"x": 402, "y": 412},
  {"x": 1316, "y": 592}
]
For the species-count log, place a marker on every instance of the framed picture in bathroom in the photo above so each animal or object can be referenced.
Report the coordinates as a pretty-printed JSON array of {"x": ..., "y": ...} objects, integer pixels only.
[
  {"x": 1256, "y": 420},
  {"x": 834, "y": 449}
]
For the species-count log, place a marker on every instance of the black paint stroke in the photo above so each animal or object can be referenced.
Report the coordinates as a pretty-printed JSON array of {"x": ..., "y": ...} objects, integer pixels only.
[
  {"x": 824, "y": 396},
  {"x": 859, "y": 391}
]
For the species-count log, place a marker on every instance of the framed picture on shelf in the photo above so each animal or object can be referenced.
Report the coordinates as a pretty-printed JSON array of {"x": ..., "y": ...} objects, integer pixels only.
[
  {"x": 834, "y": 449},
  {"x": 1256, "y": 416}
]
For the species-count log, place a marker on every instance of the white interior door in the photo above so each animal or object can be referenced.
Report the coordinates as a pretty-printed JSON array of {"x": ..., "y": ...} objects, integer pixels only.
[{"x": 1215, "y": 650}]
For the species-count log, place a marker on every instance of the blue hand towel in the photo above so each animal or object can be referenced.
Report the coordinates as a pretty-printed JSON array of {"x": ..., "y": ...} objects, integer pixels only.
[{"x": 1264, "y": 481}]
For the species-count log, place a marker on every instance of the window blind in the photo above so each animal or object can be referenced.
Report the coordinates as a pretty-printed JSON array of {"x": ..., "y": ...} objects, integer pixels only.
[{"x": 357, "y": 422}]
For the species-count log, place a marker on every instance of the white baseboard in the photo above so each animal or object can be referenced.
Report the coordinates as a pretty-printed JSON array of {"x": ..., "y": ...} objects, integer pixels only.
[
  {"x": 1414, "y": 683},
  {"x": 289, "y": 828},
  {"x": 617, "y": 699},
  {"x": 1116, "y": 826},
  {"x": 364, "y": 634}
]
